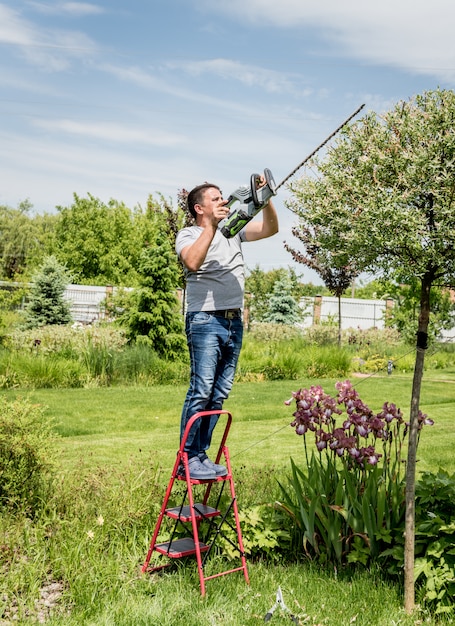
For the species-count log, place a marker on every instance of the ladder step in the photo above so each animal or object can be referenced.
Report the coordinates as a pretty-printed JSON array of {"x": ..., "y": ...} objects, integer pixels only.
[
  {"x": 184, "y": 513},
  {"x": 180, "y": 547},
  {"x": 200, "y": 481}
]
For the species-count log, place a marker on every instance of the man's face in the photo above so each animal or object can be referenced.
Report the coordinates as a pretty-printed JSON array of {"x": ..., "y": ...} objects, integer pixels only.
[{"x": 213, "y": 198}]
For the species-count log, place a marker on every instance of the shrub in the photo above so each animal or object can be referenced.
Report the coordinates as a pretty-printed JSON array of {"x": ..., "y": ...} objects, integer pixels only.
[
  {"x": 327, "y": 361},
  {"x": 284, "y": 363},
  {"x": 374, "y": 363},
  {"x": 263, "y": 535},
  {"x": 67, "y": 341},
  {"x": 289, "y": 359},
  {"x": 87, "y": 542},
  {"x": 372, "y": 339},
  {"x": 434, "y": 543},
  {"x": 440, "y": 359},
  {"x": 27, "y": 456},
  {"x": 98, "y": 359},
  {"x": 272, "y": 332},
  {"x": 322, "y": 334}
]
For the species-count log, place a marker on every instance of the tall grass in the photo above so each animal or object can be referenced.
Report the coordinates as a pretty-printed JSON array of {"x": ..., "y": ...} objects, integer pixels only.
[
  {"x": 291, "y": 359},
  {"x": 140, "y": 365},
  {"x": 65, "y": 357},
  {"x": 39, "y": 371}
]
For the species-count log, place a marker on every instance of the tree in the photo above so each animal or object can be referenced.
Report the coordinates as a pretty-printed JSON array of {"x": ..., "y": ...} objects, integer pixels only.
[
  {"x": 24, "y": 240},
  {"x": 404, "y": 315},
  {"x": 283, "y": 307},
  {"x": 384, "y": 195},
  {"x": 174, "y": 218},
  {"x": 101, "y": 243},
  {"x": 151, "y": 312},
  {"x": 171, "y": 220},
  {"x": 259, "y": 285},
  {"x": 47, "y": 305},
  {"x": 337, "y": 276}
]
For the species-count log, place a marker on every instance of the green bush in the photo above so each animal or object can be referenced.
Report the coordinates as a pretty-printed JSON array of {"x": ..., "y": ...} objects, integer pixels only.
[
  {"x": 78, "y": 356},
  {"x": 372, "y": 340},
  {"x": 27, "y": 457},
  {"x": 37, "y": 371},
  {"x": 322, "y": 335},
  {"x": 98, "y": 359},
  {"x": 434, "y": 543},
  {"x": 263, "y": 534},
  {"x": 88, "y": 542},
  {"x": 270, "y": 332},
  {"x": 290, "y": 359},
  {"x": 66, "y": 341},
  {"x": 440, "y": 358},
  {"x": 374, "y": 363},
  {"x": 285, "y": 363}
]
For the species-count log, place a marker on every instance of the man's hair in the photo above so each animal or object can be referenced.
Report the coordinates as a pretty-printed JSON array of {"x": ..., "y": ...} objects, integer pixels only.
[{"x": 196, "y": 196}]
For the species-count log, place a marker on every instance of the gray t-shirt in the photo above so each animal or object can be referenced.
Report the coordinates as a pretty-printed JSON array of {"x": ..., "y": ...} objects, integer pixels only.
[{"x": 219, "y": 282}]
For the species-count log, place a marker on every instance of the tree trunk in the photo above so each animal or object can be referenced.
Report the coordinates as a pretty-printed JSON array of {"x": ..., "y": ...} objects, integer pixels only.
[
  {"x": 422, "y": 336},
  {"x": 339, "y": 321}
]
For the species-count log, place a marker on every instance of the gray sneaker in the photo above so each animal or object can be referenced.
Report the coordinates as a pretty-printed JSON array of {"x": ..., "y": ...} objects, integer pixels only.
[
  {"x": 219, "y": 470},
  {"x": 199, "y": 471}
]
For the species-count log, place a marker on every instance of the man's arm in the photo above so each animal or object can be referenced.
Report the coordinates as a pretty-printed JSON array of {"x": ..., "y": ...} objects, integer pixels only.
[
  {"x": 256, "y": 230},
  {"x": 193, "y": 256}
]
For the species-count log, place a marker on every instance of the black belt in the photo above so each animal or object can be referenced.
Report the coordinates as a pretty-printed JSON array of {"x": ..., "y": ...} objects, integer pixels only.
[{"x": 228, "y": 314}]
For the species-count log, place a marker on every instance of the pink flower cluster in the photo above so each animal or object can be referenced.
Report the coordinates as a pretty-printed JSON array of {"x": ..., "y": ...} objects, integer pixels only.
[{"x": 361, "y": 429}]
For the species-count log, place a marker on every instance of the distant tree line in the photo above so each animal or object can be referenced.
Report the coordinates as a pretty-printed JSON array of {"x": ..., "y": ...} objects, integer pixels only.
[{"x": 101, "y": 243}]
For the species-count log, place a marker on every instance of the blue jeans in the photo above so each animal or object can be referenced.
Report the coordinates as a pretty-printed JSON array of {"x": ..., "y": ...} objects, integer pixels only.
[{"x": 214, "y": 344}]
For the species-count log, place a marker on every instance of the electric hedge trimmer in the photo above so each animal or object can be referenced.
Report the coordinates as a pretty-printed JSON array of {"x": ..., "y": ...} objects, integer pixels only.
[{"x": 253, "y": 198}]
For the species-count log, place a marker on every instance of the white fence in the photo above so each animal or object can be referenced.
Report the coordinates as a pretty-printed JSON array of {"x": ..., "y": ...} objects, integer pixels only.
[
  {"x": 355, "y": 312},
  {"x": 87, "y": 302},
  {"x": 87, "y": 305}
]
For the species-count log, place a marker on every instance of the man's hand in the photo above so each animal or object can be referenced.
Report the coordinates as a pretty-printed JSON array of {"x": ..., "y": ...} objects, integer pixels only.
[
  {"x": 260, "y": 181},
  {"x": 220, "y": 212}
]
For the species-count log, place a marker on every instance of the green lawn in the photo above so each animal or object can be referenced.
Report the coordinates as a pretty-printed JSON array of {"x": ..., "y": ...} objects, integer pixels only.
[{"x": 111, "y": 425}]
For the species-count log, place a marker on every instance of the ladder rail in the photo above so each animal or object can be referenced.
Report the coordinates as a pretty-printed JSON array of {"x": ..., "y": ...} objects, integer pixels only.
[
  {"x": 160, "y": 517},
  {"x": 196, "y": 511}
]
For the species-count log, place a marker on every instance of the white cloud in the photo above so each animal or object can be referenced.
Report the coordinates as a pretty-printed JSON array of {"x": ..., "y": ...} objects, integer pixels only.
[
  {"x": 412, "y": 34},
  {"x": 76, "y": 9},
  {"x": 153, "y": 82},
  {"x": 250, "y": 75},
  {"x": 50, "y": 49},
  {"x": 81, "y": 168},
  {"x": 111, "y": 132},
  {"x": 13, "y": 29}
]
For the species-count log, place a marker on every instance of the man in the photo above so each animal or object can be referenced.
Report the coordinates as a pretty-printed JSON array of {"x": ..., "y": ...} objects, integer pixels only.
[{"x": 214, "y": 271}]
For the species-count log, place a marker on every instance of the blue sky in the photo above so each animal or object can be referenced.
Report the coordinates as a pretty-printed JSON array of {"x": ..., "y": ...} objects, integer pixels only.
[{"x": 126, "y": 99}]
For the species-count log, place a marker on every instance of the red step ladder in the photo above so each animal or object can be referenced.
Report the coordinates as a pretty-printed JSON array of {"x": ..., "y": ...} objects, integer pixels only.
[{"x": 190, "y": 514}]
